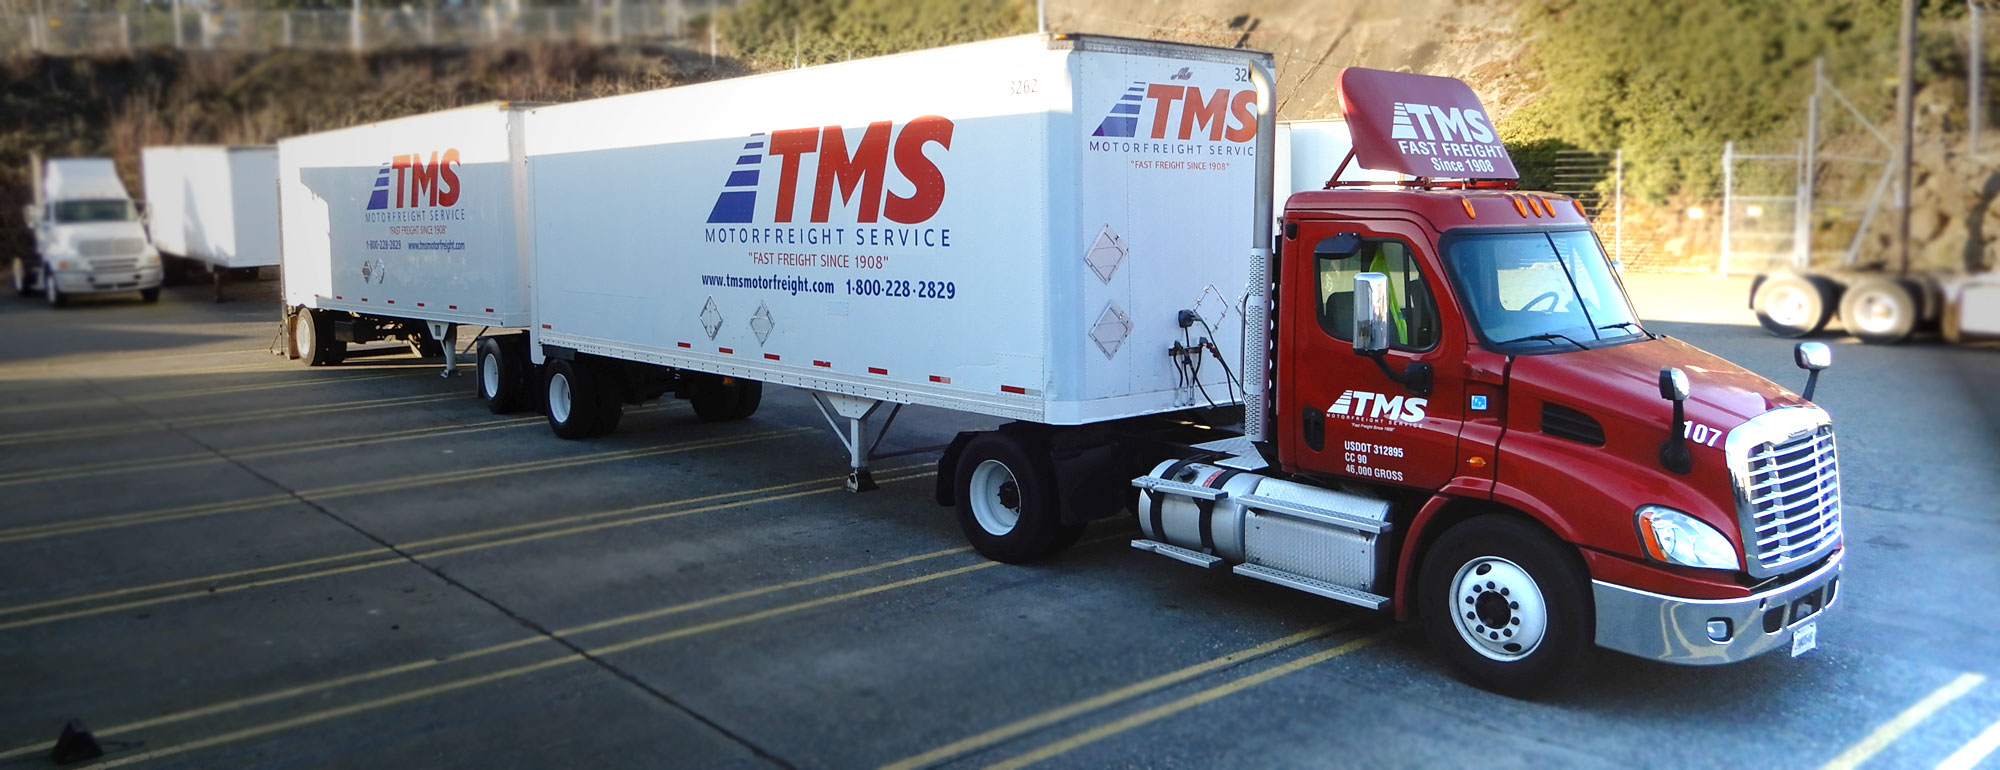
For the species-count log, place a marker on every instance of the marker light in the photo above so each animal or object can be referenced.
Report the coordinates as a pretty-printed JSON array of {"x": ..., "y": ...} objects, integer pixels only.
[
  {"x": 1518, "y": 208},
  {"x": 1467, "y": 203},
  {"x": 1677, "y": 538}
]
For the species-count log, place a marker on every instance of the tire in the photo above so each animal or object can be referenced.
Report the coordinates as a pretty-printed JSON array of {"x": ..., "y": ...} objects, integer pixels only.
[
  {"x": 501, "y": 368},
  {"x": 717, "y": 400},
  {"x": 1507, "y": 605},
  {"x": 149, "y": 295},
  {"x": 312, "y": 342},
  {"x": 1007, "y": 503},
  {"x": 1791, "y": 305},
  {"x": 579, "y": 401},
  {"x": 1879, "y": 310},
  {"x": 50, "y": 291},
  {"x": 22, "y": 286}
]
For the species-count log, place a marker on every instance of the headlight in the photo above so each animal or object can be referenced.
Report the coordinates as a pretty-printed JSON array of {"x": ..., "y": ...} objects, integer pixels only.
[
  {"x": 63, "y": 264},
  {"x": 1677, "y": 538},
  {"x": 150, "y": 258}
]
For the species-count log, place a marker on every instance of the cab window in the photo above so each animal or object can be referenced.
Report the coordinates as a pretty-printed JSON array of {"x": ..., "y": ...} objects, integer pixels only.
[{"x": 1413, "y": 317}]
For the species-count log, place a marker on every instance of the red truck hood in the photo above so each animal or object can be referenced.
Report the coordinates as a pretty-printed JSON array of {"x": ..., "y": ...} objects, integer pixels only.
[{"x": 1625, "y": 379}]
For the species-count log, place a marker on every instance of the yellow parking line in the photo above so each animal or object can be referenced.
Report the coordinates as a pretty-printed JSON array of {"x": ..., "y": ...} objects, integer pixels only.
[
  {"x": 161, "y": 424},
  {"x": 1163, "y": 711},
  {"x": 281, "y": 448},
  {"x": 418, "y": 665},
  {"x": 188, "y": 393},
  {"x": 509, "y": 673},
  {"x": 415, "y": 549},
  {"x": 1971, "y": 754},
  {"x": 372, "y": 487},
  {"x": 1128, "y": 692},
  {"x": 1904, "y": 722}
]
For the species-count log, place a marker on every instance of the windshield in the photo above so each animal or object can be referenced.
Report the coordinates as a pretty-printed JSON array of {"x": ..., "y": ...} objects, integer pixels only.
[
  {"x": 106, "y": 210},
  {"x": 1541, "y": 290}
]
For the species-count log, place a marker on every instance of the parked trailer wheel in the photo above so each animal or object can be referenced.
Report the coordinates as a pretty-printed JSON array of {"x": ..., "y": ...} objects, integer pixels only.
[
  {"x": 1879, "y": 310},
  {"x": 1007, "y": 503},
  {"x": 1507, "y": 604},
  {"x": 312, "y": 339},
  {"x": 503, "y": 383},
  {"x": 50, "y": 291},
  {"x": 22, "y": 286},
  {"x": 1791, "y": 305},
  {"x": 719, "y": 399},
  {"x": 580, "y": 400}
]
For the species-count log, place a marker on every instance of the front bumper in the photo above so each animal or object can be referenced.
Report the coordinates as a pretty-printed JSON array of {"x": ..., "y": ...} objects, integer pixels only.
[
  {"x": 99, "y": 282},
  {"x": 1676, "y": 630}
]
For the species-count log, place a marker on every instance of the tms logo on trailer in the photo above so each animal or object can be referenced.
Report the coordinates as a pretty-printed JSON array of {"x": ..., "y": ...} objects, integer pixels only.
[
  {"x": 1211, "y": 112},
  {"x": 416, "y": 182},
  {"x": 860, "y": 175}
]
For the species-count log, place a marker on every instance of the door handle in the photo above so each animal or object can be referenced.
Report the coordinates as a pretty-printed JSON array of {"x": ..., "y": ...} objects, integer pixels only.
[{"x": 1313, "y": 427}]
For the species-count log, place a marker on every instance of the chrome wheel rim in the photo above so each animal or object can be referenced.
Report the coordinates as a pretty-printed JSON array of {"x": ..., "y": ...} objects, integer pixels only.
[
  {"x": 489, "y": 374},
  {"x": 996, "y": 498},
  {"x": 1788, "y": 306},
  {"x": 1877, "y": 312},
  {"x": 559, "y": 396},
  {"x": 1498, "y": 609}
]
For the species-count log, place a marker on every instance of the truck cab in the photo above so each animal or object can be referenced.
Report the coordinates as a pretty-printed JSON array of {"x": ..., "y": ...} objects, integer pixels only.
[{"x": 90, "y": 236}]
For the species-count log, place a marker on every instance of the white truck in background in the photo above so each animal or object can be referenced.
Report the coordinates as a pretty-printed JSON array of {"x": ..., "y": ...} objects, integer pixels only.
[
  {"x": 90, "y": 237},
  {"x": 404, "y": 229},
  {"x": 213, "y": 208}
]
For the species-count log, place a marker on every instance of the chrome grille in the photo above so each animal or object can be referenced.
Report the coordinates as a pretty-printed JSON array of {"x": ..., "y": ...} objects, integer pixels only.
[
  {"x": 1787, "y": 488},
  {"x": 110, "y": 247},
  {"x": 102, "y": 265}
]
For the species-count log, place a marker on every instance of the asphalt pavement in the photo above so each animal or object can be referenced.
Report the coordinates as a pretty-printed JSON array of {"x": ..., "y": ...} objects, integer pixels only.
[{"x": 214, "y": 557}]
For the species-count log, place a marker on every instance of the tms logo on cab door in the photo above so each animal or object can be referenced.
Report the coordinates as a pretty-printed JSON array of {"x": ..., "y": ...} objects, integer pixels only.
[
  {"x": 857, "y": 176},
  {"x": 1370, "y": 408}
]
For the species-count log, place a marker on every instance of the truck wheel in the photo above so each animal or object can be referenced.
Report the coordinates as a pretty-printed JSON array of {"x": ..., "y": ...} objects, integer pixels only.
[
  {"x": 1007, "y": 502},
  {"x": 1507, "y": 604},
  {"x": 50, "y": 291},
  {"x": 501, "y": 384},
  {"x": 149, "y": 295},
  {"x": 1879, "y": 310},
  {"x": 22, "y": 285},
  {"x": 579, "y": 400},
  {"x": 1793, "y": 305},
  {"x": 715, "y": 400}
]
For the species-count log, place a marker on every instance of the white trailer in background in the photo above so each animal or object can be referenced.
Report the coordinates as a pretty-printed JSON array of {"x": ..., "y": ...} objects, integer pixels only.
[
  {"x": 404, "y": 229},
  {"x": 1310, "y": 152},
  {"x": 1043, "y": 229},
  {"x": 213, "y": 206}
]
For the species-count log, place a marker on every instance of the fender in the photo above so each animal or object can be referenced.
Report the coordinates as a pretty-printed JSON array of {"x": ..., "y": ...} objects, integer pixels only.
[{"x": 1418, "y": 532}]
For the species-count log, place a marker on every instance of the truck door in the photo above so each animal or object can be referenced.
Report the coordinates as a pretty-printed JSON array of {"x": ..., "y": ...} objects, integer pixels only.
[{"x": 1350, "y": 418}]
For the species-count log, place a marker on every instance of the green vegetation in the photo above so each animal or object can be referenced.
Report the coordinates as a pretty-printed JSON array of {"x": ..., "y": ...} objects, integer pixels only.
[
  {"x": 1671, "y": 81},
  {"x": 775, "y": 33}
]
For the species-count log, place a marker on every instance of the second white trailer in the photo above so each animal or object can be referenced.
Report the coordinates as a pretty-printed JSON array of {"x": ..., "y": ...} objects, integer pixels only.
[
  {"x": 1052, "y": 230},
  {"x": 404, "y": 229},
  {"x": 213, "y": 206}
]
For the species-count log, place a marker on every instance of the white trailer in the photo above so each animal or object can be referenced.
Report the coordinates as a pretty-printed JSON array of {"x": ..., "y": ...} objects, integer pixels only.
[
  {"x": 404, "y": 229},
  {"x": 213, "y": 206},
  {"x": 1310, "y": 152},
  {"x": 993, "y": 228}
]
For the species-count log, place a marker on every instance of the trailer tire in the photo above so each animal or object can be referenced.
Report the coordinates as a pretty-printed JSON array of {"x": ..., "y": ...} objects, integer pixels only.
[
  {"x": 720, "y": 399},
  {"x": 1007, "y": 503},
  {"x": 579, "y": 400},
  {"x": 1879, "y": 310},
  {"x": 1791, "y": 305},
  {"x": 1507, "y": 604},
  {"x": 22, "y": 286},
  {"x": 311, "y": 341},
  {"x": 502, "y": 379}
]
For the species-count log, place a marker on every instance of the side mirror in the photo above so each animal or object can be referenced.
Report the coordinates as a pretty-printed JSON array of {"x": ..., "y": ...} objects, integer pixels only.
[
  {"x": 1371, "y": 314},
  {"x": 1674, "y": 454},
  {"x": 1814, "y": 357}
]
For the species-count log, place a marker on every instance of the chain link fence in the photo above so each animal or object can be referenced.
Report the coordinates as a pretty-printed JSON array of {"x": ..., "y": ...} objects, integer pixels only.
[{"x": 606, "y": 21}]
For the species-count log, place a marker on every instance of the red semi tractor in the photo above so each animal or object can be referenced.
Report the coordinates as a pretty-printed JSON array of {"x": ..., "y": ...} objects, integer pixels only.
[{"x": 1458, "y": 416}]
